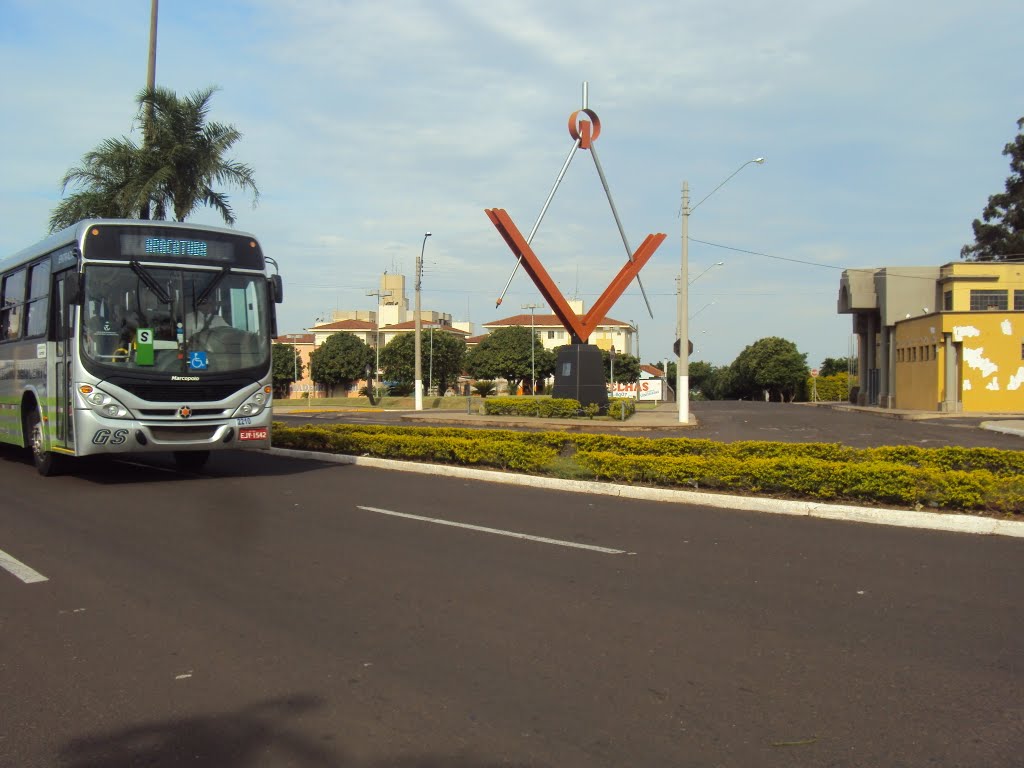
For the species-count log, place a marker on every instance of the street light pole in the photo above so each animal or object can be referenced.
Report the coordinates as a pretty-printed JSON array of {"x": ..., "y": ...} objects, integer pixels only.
[
  {"x": 683, "y": 367},
  {"x": 533, "y": 343},
  {"x": 705, "y": 271},
  {"x": 379, "y": 294},
  {"x": 419, "y": 327}
]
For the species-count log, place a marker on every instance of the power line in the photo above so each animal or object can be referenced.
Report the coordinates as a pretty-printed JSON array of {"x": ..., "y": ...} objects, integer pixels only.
[{"x": 833, "y": 266}]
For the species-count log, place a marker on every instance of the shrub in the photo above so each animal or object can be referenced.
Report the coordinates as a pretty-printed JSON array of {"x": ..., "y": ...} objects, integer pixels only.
[
  {"x": 946, "y": 478},
  {"x": 621, "y": 409},
  {"x": 484, "y": 388},
  {"x": 542, "y": 407}
]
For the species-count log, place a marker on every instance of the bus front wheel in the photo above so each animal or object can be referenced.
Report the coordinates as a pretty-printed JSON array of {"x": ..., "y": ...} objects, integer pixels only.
[{"x": 47, "y": 463}]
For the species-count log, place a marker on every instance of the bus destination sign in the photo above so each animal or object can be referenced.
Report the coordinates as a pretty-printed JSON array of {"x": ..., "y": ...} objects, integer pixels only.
[{"x": 169, "y": 247}]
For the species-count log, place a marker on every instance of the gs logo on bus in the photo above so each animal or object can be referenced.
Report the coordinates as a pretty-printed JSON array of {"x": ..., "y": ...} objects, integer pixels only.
[{"x": 115, "y": 437}]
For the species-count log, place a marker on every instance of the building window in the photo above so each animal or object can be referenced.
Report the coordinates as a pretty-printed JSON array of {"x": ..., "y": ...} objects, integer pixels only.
[
  {"x": 984, "y": 300},
  {"x": 551, "y": 334},
  {"x": 1018, "y": 301},
  {"x": 947, "y": 301}
]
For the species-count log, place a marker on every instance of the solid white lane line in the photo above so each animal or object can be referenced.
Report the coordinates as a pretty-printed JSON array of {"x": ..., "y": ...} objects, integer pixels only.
[
  {"x": 19, "y": 569},
  {"x": 498, "y": 531}
]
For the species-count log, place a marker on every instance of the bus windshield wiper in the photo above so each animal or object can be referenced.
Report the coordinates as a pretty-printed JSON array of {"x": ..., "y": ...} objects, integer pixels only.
[
  {"x": 210, "y": 286},
  {"x": 151, "y": 283}
]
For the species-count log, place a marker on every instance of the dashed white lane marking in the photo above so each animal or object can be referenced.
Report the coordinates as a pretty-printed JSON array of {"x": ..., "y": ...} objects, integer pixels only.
[
  {"x": 499, "y": 532},
  {"x": 17, "y": 568}
]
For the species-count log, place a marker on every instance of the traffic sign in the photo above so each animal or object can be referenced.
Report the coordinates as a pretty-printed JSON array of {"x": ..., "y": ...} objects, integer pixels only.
[{"x": 675, "y": 348}]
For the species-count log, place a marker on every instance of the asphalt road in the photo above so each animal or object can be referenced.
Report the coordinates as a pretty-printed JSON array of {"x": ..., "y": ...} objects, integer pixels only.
[
  {"x": 268, "y": 612},
  {"x": 730, "y": 421}
]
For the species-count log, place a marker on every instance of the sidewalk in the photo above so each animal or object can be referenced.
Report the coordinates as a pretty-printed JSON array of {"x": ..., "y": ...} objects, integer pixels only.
[
  {"x": 662, "y": 418},
  {"x": 665, "y": 416}
]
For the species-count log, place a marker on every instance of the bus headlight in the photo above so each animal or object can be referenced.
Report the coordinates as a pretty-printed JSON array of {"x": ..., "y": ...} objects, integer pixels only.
[
  {"x": 258, "y": 401},
  {"x": 97, "y": 400}
]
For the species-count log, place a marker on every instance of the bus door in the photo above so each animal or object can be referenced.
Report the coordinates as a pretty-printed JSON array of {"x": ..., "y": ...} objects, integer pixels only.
[{"x": 64, "y": 349}]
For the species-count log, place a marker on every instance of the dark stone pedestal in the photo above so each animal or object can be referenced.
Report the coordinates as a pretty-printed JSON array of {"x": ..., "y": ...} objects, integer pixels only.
[{"x": 579, "y": 375}]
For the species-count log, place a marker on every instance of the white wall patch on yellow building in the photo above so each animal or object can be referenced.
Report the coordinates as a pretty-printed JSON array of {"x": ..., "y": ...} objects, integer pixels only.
[{"x": 975, "y": 358}]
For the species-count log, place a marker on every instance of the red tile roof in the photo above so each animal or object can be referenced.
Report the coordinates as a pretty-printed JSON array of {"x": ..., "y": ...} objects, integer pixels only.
[
  {"x": 294, "y": 338},
  {"x": 651, "y": 370},
  {"x": 410, "y": 325},
  {"x": 546, "y": 321},
  {"x": 345, "y": 325}
]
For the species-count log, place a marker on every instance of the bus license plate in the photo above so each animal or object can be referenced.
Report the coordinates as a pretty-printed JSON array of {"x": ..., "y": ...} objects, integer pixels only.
[{"x": 253, "y": 433}]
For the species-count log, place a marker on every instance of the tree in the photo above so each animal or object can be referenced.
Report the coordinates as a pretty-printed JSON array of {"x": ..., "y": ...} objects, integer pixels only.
[
  {"x": 186, "y": 154},
  {"x": 627, "y": 367},
  {"x": 1001, "y": 235},
  {"x": 341, "y": 359},
  {"x": 505, "y": 353},
  {"x": 174, "y": 172},
  {"x": 286, "y": 367},
  {"x": 833, "y": 365},
  {"x": 771, "y": 365},
  {"x": 398, "y": 358},
  {"x": 110, "y": 179}
]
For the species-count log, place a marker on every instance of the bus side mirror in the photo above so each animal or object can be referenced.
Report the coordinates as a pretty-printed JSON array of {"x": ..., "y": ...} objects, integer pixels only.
[{"x": 276, "y": 288}]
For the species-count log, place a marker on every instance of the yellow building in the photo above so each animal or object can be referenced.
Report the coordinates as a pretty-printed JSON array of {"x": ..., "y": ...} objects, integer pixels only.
[{"x": 947, "y": 338}]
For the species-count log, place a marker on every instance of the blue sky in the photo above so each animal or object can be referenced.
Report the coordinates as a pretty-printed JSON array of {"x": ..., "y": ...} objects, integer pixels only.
[{"x": 370, "y": 123}]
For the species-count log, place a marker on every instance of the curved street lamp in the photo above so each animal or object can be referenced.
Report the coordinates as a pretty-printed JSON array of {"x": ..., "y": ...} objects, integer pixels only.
[
  {"x": 705, "y": 271},
  {"x": 683, "y": 368}
]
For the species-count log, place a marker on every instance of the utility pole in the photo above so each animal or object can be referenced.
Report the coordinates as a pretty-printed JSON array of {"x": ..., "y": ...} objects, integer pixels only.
[
  {"x": 533, "y": 343},
  {"x": 147, "y": 133},
  {"x": 419, "y": 327},
  {"x": 683, "y": 368}
]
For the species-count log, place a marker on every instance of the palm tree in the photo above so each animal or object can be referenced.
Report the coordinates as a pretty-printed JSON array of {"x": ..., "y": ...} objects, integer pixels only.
[
  {"x": 186, "y": 154},
  {"x": 182, "y": 158},
  {"x": 109, "y": 177}
]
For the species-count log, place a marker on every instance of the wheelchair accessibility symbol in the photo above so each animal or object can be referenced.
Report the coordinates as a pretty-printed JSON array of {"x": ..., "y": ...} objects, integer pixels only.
[{"x": 197, "y": 361}]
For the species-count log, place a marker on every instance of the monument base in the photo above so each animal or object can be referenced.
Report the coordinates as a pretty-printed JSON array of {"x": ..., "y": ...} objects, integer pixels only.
[{"x": 579, "y": 375}]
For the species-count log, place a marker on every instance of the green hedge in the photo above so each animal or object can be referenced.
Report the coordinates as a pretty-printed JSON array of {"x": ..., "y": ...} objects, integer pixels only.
[
  {"x": 866, "y": 481},
  {"x": 466, "y": 449},
  {"x": 948, "y": 478},
  {"x": 545, "y": 407}
]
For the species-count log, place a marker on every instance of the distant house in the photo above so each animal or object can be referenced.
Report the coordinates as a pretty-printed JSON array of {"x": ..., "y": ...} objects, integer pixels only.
[
  {"x": 609, "y": 332},
  {"x": 375, "y": 328},
  {"x": 947, "y": 338}
]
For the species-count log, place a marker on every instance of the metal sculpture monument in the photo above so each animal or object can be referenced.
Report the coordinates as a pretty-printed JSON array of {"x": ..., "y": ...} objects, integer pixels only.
[{"x": 579, "y": 373}]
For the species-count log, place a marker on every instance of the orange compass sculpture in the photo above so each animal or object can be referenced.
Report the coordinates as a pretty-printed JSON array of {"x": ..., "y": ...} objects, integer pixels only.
[{"x": 579, "y": 373}]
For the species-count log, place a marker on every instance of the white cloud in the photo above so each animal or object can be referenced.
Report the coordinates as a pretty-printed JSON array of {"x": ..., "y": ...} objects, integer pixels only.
[{"x": 370, "y": 123}]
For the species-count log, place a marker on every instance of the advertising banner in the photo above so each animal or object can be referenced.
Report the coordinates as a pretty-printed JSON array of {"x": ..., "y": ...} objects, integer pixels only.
[{"x": 645, "y": 389}]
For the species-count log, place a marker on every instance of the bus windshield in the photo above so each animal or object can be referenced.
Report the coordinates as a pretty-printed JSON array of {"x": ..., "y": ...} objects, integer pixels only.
[{"x": 173, "y": 319}]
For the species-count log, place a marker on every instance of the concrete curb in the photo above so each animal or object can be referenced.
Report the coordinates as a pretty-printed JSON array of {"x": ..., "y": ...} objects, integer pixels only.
[
  {"x": 1009, "y": 427},
  {"x": 935, "y": 521}
]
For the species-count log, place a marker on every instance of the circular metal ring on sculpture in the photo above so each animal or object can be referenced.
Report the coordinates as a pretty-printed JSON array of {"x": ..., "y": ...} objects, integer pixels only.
[{"x": 574, "y": 130}]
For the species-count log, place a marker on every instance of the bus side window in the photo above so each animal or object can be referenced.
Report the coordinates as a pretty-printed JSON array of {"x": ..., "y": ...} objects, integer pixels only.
[
  {"x": 38, "y": 299},
  {"x": 12, "y": 302}
]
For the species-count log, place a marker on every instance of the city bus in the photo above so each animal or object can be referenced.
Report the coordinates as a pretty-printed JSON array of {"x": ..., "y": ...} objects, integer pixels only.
[{"x": 124, "y": 336}]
